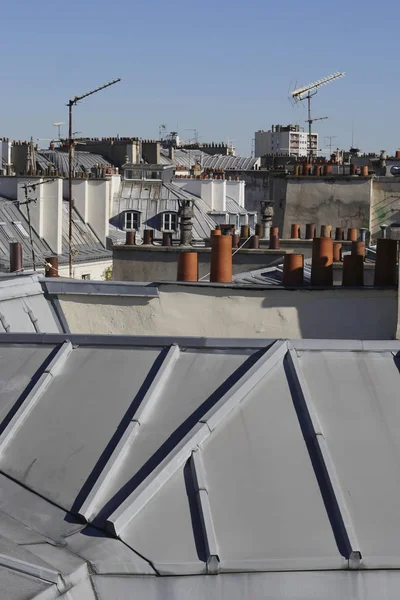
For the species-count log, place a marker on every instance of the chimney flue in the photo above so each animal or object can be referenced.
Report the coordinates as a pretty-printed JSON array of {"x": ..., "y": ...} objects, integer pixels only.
[
  {"x": 293, "y": 270},
  {"x": 15, "y": 257},
  {"x": 52, "y": 266},
  {"x": 188, "y": 269},
  {"x": 322, "y": 262},
  {"x": 221, "y": 259},
  {"x": 295, "y": 231},
  {"x": 310, "y": 231}
]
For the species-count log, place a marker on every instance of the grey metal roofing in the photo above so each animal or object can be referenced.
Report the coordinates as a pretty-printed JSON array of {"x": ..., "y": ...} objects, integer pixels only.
[
  {"x": 24, "y": 307},
  {"x": 187, "y": 158},
  {"x": 84, "y": 161},
  {"x": 271, "y": 275},
  {"x": 153, "y": 198},
  {"x": 10, "y": 216},
  {"x": 260, "y": 468}
]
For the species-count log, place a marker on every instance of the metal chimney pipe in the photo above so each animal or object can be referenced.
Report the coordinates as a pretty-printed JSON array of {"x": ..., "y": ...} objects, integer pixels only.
[
  {"x": 235, "y": 240},
  {"x": 293, "y": 270},
  {"x": 358, "y": 249},
  {"x": 258, "y": 230},
  {"x": 363, "y": 234},
  {"x": 295, "y": 231},
  {"x": 274, "y": 230},
  {"x": 326, "y": 231},
  {"x": 353, "y": 270},
  {"x": 188, "y": 266},
  {"x": 52, "y": 266},
  {"x": 221, "y": 259},
  {"x": 337, "y": 251},
  {"x": 166, "y": 239},
  {"x": 384, "y": 231},
  {"x": 311, "y": 229},
  {"x": 147, "y": 236},
  {"x": 130, "y": 238},
  {"x": 352, "y": 234},
  {"x": 255, "y": 242},
  {"x": 274, "y": 243},
  {"x": 386, "y": 262},
  {"x": 245, "y": 231},
  {"x": 16, "y": 264},
  {"x": 339, "y": 233},
  {"x": 322, "y": 261}
]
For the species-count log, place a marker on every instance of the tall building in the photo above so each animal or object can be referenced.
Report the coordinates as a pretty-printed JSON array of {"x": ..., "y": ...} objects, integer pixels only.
[{"x": 290, "y": 139}]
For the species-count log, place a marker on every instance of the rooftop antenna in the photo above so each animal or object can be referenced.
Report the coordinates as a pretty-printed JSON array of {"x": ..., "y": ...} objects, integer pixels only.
[
  {"x": 59, "y": 124},
  {"x": 329, "y": 144},
  {"x": 71, "y": 143},
  {"x": 161, "y": 131},
  {"x": 307, "y": 92}
]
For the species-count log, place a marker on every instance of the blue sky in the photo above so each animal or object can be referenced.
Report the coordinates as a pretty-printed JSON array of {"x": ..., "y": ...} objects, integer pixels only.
[{"x": 223, "y": 67}]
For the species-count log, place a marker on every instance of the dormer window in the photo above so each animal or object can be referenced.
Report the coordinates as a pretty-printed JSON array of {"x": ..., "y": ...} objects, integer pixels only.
[
  {"x": 169, "y": 222},
  {"x": 132, "y": 220}
]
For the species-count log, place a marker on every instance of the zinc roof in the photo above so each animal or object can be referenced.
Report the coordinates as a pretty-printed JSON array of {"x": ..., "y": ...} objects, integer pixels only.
[{"x": 268, "y": 459}]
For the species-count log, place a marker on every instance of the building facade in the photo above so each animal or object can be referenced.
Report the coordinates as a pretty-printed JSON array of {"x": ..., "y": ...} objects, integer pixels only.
[{"x": 289, "y": 140}]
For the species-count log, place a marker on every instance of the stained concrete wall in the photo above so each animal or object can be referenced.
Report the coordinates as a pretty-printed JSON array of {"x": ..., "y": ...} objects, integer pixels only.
[
  {"x": 141, "y": 263},
  {"x": 257, "y": 187},
  {"x": 337, "y": 201},
  {"x": 220, "y": 311},
  {"x": 385, "y": 205}
]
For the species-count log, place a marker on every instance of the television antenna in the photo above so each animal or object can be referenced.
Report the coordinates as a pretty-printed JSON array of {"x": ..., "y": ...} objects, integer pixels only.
[
  {"x": 306, "y": 93},
  {"x": 71, "y": 142},
  {"x": 161, "y": 131}
]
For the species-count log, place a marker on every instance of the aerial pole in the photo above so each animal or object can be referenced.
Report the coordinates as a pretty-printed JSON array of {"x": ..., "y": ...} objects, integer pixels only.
[
  {"x": 70, "y": 104},
  {"x": 307, "y": 92}
]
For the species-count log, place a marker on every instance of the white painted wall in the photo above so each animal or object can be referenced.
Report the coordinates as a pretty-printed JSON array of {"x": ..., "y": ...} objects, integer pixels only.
[
  {"x": 5, "y": 151},
  {"x": 98, "y": 195},
  {"x": 228, "y": 312},
  {"x": 94, "y": 269},
  {"x": 46, "y": 212},
  {"x": 236, "y": 190}
]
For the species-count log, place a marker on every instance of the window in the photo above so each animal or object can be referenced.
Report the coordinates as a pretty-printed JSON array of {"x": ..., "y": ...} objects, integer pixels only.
[
  {"x": 19, "y": 227},
  {"x": 152, "y": 175},
  {"x": 132, "y": 220},
  {"x": 133, "y": 174},
  {"x": 4, "y": 229},
  {"x": 169, "y": 222},
  {"x": 86, "y": 276}
]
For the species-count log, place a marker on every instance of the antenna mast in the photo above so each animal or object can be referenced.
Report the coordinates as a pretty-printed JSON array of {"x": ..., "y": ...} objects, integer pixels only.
[
  {"x": 70, "y": 104},
  {"x": 307, "y": 92}
]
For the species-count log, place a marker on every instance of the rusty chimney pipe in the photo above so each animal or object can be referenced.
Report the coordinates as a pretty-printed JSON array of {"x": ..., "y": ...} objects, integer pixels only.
[
  {"x": 353, "y": 169},
  {"x": 295, "y": 231},
  {"x": 326, "y": 230},
  {"x": 130, "y": 238},
  {"x": 293, "y": 270},
  {"x": 166, "y": 239},
  {"x": 188, "y": 267},
  {"x": 52, "y": 266},
  {"x": 337, "y": 251},
  {"x": 358, "y": 249},
  {"x": 147, "y": 236},
  {"x": 221, "y": 259},
  {"x": 215, "y": 232},
  {"x": 16, "y": 257},
  {"x": 235, "y": 240},
  {"x": 339, "y": 233},
  {"x": 353, "y": 270},
  {"x": 386, "y": 262},
  {"x": 352, "y": 234},
  {"x": 311, "y": 229},
  {"x": 255, "y": 242},
  {"x": 258, "y": 230},
  {"x": 322, "y": 261},
  {"x": 245, "y": 231}
]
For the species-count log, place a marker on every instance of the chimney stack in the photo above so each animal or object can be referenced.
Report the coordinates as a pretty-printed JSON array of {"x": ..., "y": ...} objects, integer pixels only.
[
  {"x": 310, "y": 231},
  {"x": 339, "y": 234},
  {"x": 353, "y": 270},
  {"x": 352, "y": 234},
  {"x": 326, "y": 231},
  {"x": 16, "y": 257},
  {"x": 52, "y": 266},
  {"x": 386, "y": 262},
  {"x": 148, "y": 236},
  {"x": 322, "y": 262},
  {"x": 295, "y": 231},
  {"x": 130, "y": 238},
  {"x": 221, "y": 259}
]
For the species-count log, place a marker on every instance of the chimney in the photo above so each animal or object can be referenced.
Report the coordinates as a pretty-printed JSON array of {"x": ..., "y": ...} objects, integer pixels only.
[
  {"x": 295, "y": 231},
  {"x": 148, "y": 236},
  {"x": 352, "y": 234},
  {"x": 339, "y": 233},
  {"x": 293, "y": 270},
  {"x": 151, "y": 152},
  {"x": 326, "y": 230},
  {"x": 221, "y": 259},
  {"x": 386, "y": 262},
  {"x": 322, "y": 262},
  {"x": 171, "y": 152},
  {"x": 245, "y": 231},
  {"x": 130, "y": 238},
  {"x": 16, "y": 265},
  {"x": 358, "y": 249},
  {"x": 188, "y": 269},
  {"x": 46, "y": 212},
  {"x": 310, "y": 231},
  {"x": 166, "y": 239},
  {"x": 186, "y": 214},
  {"x": 255, "y": 242},
  {"x": 353, "y": 270},
  {"x": 337, "y": 251},
  {"x": 52, "y": 266}
]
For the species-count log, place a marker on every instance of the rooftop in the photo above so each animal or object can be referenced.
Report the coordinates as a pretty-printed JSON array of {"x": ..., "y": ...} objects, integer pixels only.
[{"x": 247, "y": 473}]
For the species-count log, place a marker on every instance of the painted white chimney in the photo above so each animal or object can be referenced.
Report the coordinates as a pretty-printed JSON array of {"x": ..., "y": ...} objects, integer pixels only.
[
  {"x": 236, "y": 191},
  {"x": 46, "y": 212},
  {"x": 92, "y": 201}
]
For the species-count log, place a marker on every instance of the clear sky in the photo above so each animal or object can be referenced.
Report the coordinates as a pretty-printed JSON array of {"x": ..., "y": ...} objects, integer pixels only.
[{"x": 224, "y": 67}]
